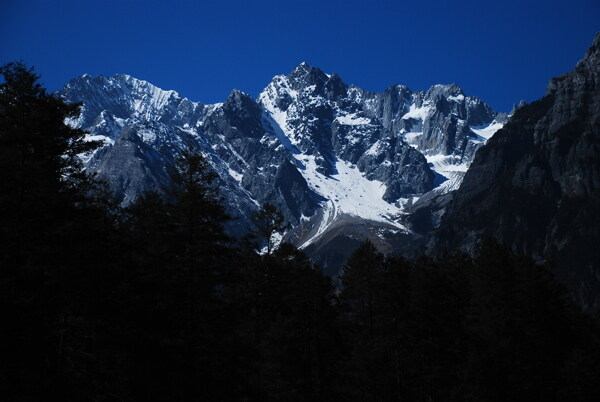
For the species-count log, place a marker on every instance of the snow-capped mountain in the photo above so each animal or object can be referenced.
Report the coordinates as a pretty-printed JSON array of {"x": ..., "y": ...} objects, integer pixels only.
[{"x": 337, "y": 160}]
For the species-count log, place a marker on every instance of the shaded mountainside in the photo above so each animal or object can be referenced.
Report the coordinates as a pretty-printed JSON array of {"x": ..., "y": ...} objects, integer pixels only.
[
  {"x": 335, "y": 159},
  {"x": 536, "y": 184}
]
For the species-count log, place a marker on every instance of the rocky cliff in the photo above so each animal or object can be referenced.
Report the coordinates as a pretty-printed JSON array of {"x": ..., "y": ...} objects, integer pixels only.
[{"x": 536, "y": 184}]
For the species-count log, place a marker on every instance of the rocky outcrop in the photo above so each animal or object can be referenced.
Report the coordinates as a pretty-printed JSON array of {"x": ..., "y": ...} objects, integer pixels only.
[{"x": 536, "y": 184}]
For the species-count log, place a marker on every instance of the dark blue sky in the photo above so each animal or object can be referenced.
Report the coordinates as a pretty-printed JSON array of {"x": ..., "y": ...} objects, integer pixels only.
[{"x": 500, "y": 51}]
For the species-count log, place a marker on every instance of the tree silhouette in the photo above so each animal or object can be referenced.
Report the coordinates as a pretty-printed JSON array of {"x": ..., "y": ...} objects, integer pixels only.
[
  {"x": 43, "y": 194},
  {"x": 267, "y": 222}
]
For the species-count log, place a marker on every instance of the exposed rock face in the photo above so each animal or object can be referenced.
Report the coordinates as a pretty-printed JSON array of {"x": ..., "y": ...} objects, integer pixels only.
[
  {"x": 536, "y": 184},
  {"x": 328, "y": 155},
  {"x": 324, "y": 118}
]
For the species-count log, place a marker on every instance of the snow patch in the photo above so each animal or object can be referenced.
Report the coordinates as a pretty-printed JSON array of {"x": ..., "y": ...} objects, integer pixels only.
[
  {"x": 347, "y": 192},
  {"x": 443, "y": 164},
  {"x": 486, "y": 132},
  {"x": 375, "y": 149},
  {"x": 411, "y": 137},
  {"x": 419, "y": 113},
  {"x": 105, "y": 139},
  {"x": 237, "y": 176},
  {"x": 352, "y": 120},
  {"x": 456, "y": 98},
  {"x": 147, "y": 136}
]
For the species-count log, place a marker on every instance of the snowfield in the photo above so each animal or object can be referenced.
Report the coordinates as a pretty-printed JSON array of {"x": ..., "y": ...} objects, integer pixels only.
[{"x": 347, "y": 192}]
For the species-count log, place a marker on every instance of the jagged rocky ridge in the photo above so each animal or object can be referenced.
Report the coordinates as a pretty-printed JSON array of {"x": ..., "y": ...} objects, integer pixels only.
[
  {"x": 340, "y": 162},
  {"x": 536, "y": 184}
]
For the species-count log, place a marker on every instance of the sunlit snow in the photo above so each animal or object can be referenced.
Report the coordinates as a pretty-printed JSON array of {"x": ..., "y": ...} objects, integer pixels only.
[
  {"x": 486, "y": 132},
  {"x": 446, "y": 163},
  {"x": 456, "y": 98},
  {"x": 347, "y": 192},
  {"x": 419, "y": 113},
  {"x": 237, "y": 176},
  {"x": 352, "y": 120}
]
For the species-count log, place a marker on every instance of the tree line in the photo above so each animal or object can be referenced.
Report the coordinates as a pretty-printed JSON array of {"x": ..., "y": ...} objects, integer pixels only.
[{"x": 155, "y": 302}]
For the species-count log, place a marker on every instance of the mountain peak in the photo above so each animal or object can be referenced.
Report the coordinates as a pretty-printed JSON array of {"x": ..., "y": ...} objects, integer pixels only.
[
  {"x": 236, "y": 93},
  {"x": 308, "y": 75},
  {"x": 304, "y": 66},
  {"x": 239, "y": 102},
  {"x": 445, "y": 91}
]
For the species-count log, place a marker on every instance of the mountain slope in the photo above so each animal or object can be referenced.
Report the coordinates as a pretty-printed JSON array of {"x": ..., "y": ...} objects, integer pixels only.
[
  {"x": 536, "y": 184},
  {"x": 345, "y": 134},
  {"x": 330, "y": 156}
]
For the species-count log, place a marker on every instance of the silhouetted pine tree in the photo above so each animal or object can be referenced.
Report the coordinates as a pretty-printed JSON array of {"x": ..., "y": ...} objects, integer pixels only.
[
  {"x": 436, "y": 330},
  {"x": 288, "y": 326},
  {"x": 43, "y": 192},
  {"x": 177, "y": 261},
  {"x": 361, "y": 280},
  {"x": 298, "y": 349},
  {"x": 267, "y": 222}
]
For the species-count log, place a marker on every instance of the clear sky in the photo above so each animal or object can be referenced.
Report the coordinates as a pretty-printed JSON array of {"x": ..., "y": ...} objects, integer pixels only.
[{"x": 500, "y": 51}]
